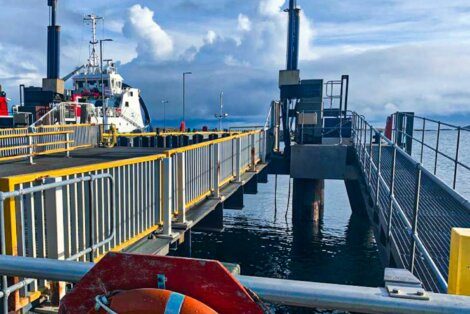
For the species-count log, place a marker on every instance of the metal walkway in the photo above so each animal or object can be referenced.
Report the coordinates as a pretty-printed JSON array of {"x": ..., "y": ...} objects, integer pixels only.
[{"x": 411, "y": 194}]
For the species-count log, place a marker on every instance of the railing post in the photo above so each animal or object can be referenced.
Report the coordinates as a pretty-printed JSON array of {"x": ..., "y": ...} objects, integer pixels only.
[
  {"x": 370, "y": 154},
  {"x": 379, "y": 172},
  {"x": 437, "y": 146},
  {"x": 216, "y": 170},
  {"x": 67, "y": 144},
  {"x": 238, "y": 153},
  {"x": 414, "y": 231},
  {"x": 262, "y": 137},
  {"x": 54, "y": 222},
  {"x": 181, "y": 184},
  {"x": 253, "y": 153},
  {"x": 167, "y": 198},
  {"x": 30, "y": 149},
  {"x": 392, "y": 193},
  {"x": 456, "y": 162},
  {"x": 422, "y": 141}
]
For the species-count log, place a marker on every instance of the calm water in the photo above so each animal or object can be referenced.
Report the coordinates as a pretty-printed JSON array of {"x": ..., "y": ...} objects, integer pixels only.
[
  {"x": 341, "y": 249},
  {"x": 446, "y": 167}
]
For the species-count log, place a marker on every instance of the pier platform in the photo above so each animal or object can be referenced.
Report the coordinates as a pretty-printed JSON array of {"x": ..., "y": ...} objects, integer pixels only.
[{"x": 77, "y": 158}]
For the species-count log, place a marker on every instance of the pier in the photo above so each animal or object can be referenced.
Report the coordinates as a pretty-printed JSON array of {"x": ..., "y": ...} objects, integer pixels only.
[{"x": 82, "y": 204}]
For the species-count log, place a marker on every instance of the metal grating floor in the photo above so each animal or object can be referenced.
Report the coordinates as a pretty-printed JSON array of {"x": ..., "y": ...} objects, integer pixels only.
[{"x": 440, "y": 209}]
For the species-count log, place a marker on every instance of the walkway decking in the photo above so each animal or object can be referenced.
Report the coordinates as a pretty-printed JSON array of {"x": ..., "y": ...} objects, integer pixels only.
[{"x": 440, "y": 210}]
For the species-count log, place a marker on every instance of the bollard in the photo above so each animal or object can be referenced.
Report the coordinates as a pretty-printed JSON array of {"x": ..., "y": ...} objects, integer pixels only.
[
  {"x": 183, "y": 140},
  {"x": 459, "y": 263},
  {"x": 160, "y": 140},
  {"x": 198, "y": 138}
]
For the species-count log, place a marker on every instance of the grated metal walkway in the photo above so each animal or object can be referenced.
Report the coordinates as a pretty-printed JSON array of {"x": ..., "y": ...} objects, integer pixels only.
[{"x": 440, "y": 210}]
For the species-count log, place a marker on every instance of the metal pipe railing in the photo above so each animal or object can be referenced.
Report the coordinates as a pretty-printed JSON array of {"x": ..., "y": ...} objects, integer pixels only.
[
  {"x": 365, "y": 151},
  {"x": 401, "y": 134},
  {"x": 280, "y": 291},
  {"x": 7, "y": 290}
]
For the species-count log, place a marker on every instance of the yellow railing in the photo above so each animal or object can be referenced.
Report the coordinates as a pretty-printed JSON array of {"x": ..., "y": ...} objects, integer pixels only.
[
  {"x": 141, "y": 202},
  {"x": 45, "y": 140}
]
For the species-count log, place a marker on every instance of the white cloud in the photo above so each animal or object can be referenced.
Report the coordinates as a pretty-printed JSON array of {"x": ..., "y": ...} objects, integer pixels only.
[
  {"x": 210, "y": 37},
  {"x": 152, "y": 39},
  {"x": 244, "y": 23},
  {"x": 270, "y": 7}
]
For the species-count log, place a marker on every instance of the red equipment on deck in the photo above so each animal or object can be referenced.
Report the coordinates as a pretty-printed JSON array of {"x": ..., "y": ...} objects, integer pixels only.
[
  {"x": 3, "y": 104},
  {"x": 129, "y": 276},
  {"x": 388, "y": 127}
]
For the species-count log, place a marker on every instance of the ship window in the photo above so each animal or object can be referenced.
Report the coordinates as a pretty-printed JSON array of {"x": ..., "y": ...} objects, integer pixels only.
[
  {"x": 80, "y": 84},
  {"x": 132, "y": 94},
  {"x": 127, "y": 104}
]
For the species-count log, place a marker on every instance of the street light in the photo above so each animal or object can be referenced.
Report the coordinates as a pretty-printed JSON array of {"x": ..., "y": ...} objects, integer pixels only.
[
  {"x": 104, "y": 105},
  {"x": 221, "y": 115},
  {"x": 164, "y": 102},
  {"x": 184, "y": 93}
]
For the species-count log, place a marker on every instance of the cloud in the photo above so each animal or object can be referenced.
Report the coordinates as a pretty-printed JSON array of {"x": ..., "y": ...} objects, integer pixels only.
[
  {"x": 210, "y": 37},
  {"x": 270, "y": 7},
  {"x": 400, "y": 54},
  {"x": 244, "y": 23},
  {"x": 152, "y": 40}
]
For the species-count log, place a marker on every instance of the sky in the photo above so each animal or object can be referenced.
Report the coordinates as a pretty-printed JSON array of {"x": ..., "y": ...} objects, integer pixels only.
[{"x": 407, "y": 55}]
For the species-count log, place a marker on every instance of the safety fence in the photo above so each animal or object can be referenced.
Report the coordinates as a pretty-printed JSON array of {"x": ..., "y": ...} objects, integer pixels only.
[
  {"x": 82, "y": 213},
  {"x": 417, "y": 208},
  {"x": 443, "y": 148},
  {"x": 45, "y": 140}
]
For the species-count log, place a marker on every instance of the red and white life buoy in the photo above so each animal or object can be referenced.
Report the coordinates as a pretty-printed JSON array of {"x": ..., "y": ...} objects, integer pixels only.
[{"x": 149, "y": 301}]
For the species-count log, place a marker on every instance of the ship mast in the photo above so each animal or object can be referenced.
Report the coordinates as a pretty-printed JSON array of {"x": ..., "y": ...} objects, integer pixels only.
[{"x": 93, "y": 59}]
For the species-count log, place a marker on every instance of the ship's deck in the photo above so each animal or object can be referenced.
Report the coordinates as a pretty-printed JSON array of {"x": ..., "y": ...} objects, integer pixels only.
[{"x": 77, "y": 158}]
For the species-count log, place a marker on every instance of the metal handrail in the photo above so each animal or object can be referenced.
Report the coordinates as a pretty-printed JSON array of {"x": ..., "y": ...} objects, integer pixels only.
[
  {"x": 277, "y": 291},
  {"x": 8, "y": 290},
  {"x": 435, "y": 149},
  {"x": 366, "y": 154}
]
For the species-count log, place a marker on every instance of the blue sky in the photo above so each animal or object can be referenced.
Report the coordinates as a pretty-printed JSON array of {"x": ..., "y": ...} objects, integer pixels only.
[{"x": 400, "y": 54}]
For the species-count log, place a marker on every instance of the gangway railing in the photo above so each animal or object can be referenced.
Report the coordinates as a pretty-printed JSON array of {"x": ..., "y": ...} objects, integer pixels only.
[
  {"x": 397, "y": 185},
  {"x": 149, "y": 193},
  {"x": 443, "y": 148},
  {"x": 26, "y": 143}
]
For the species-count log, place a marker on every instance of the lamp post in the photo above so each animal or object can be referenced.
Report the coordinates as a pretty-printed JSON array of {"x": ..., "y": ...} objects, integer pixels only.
[
  {"x": 184, "y": 93},
  {"x": 104, "y": 104},
  {"x": 164, "y": 102},
  {"x": 221, "y": 115}
]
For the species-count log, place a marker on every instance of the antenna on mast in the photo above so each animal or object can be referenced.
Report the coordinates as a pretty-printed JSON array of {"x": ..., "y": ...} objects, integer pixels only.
[{"x": 93, "y": 59}]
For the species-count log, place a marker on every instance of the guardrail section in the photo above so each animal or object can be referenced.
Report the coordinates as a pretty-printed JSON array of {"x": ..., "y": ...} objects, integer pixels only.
[
  {"x": 417, "y": 208},
  {"x": 30, "y": 142},
  {"x": 69, "y": 213}
]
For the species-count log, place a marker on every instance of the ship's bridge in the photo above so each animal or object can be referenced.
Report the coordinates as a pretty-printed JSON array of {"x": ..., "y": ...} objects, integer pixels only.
[{"x": 89, "y": 80}]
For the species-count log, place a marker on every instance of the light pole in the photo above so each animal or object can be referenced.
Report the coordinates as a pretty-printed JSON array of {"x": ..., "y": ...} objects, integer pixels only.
[
  {"x": 221, "y": 115},
  {"x": 104, "y": 104},
  {"x": 184, "y": 93},
  {"x": 164, "y": 102}
]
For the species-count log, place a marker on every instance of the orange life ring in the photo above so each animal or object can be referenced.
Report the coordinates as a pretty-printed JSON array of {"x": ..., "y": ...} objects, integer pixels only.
[{"x": 152, "y": 301}]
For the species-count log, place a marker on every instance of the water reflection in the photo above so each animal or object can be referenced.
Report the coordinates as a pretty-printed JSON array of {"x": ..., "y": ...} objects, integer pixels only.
[{"x": 340, "y": 248}]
